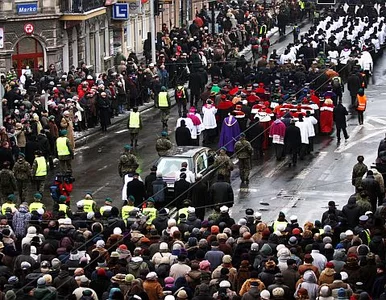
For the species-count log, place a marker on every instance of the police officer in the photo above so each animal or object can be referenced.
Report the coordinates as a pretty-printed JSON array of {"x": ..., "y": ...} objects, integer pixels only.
[
  {"x": 37, "y": 204},
  {"x": 244, "y": 151},
  {"x": 9, "y": 204},
  {"x": 163, "y": 144},
  {"x": 60, "y": 206},
  {"x": 150, "y": 211},
  {"x": 39, "y": 171},
  {"x": 128, "y": 208},
  {"x": 163, "y": 103},
  {"x": 64, "y": 152},
  {"x": 128, "y": 162},
  {"x": 89, "y": 205},
  {"x": 107, "y": 207},
  {"x": 134, "y": 124}
]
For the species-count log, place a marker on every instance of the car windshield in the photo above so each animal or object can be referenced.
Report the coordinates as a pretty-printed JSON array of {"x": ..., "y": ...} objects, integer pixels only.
[{"x": 169, "y": 166}]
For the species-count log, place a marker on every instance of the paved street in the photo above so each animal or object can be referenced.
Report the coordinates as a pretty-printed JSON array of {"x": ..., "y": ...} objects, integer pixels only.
[{"x": 304, "y": 190}]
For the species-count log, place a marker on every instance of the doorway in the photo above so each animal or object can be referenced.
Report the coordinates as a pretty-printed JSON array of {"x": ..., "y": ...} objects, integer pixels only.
[{"x": 28, "y": 52}]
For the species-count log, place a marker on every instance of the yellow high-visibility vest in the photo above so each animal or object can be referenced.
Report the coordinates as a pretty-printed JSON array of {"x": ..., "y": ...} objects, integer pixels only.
[
  {"x": 134, "y": 120},
  {"x": 42, "y": 166},
  {"x": 35, "y": 206},
  {"x": 6, "y": 205},
  {"x": 88, "y": 205},
  {"x": 105, "y": 208},
  {"x": 151, "y": 212},
  {"x": 63, "y": 208},
  {"x": 277, "y": 223},
  {"x": 181, "y": 211},
  {"x": 125, "y": 212},
  {"x": 61, "y": 146},
  {"x": 163, "y": 99},
  {"x": 263, "y": 29}
]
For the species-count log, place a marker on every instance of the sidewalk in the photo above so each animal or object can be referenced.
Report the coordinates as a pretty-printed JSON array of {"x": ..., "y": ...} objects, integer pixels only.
[{"x": 86, "y": 133}]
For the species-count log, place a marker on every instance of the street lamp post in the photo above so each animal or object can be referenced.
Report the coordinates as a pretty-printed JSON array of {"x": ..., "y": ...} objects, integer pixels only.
[{"x": 212, "y": 6}]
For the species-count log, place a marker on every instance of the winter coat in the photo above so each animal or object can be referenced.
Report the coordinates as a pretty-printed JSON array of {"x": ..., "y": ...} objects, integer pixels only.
[
  {"x": 292, "y": 139},
  {"x": 22, "y": 169},
  {"x": 247, "y": 286},
  {"x": 309, "y": 283},
  {"x": 327, "y": 276},
  {"x": 252, "y": 294},
  {"x": 65, "y": 284},
  {"x": 221, "y": 192},
  {"x": 352, "y": 212},
  {"x": 340, "y": 113},
  {"x": 153, "y": 289}
]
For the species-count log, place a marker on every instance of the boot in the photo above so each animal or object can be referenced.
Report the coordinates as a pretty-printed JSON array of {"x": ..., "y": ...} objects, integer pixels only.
[{"x": 135, "y": 143}]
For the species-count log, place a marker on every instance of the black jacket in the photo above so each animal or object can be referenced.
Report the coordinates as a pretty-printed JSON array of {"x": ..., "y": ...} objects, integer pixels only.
[
  {"x": 221, "y": 192},
  {"x": 352, "y": 212},
  {"x": 292, "y": 138},
  {"x": 340, "y": 113},
  {"x": 136, "y": 188},
  {"x": 183, "y": 137},
  {"x": 181, "y": 188}
]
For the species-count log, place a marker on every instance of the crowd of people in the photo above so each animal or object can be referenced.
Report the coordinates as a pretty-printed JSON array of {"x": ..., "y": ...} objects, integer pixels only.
[{"x": 143, "y": 251}]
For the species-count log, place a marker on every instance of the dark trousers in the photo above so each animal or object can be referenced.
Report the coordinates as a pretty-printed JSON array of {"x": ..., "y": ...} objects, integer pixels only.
[
  {"x": 279, "y": 151},
  {"x": 338, "y": 129},
  {"x": 310, "y": 147},
  {"x": 303, "y": 151},
  {"x": 360, "y": 117},
  {"x": 194, "y": 98},
  {"x": 294, "y": 156}
]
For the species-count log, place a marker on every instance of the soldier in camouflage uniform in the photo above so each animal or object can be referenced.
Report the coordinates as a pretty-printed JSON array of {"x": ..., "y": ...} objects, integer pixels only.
[
  {"x": 223, "y": 164},
  {"x": 358, "y": 171},
  {"x": 163, "y": 144},
  {"x": 128, "y": 162},
  {"x": 244, "y": 151},
  {"x": 7, "y": 181},
  {"x": 22, "y": 172}
]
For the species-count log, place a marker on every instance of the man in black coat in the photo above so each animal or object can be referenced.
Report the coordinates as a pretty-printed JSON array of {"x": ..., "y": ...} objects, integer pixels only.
[
  {"x": 353, "y": 85},
  {"x": 136, "y": 188},
  {"x": 292, "y": 142},
  {"x": 352, "y": 212},
  {"x": 181, "y": 189},
  {"x": 199, "y": 196},
  {"x": 340, "y": 113},
  {"x": 149, "y": 181},
  {"x": 371, "y": 186},
  {"x": 183, "y": 137},
  {"x": 221, "y": 192},
  {"x": 255, "y": 135}
]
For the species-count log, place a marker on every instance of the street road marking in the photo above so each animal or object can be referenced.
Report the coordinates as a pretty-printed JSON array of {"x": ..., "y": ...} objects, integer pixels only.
[
  {"x": 369, "y": 126},
  {"x": 303, "y": 174},
  {"x": 100, "y": 188},
  {"x": 353, "y": 133},
  {"x": 378, "y": 120},
  {"x": 275, "y": 170},
  {"x": 323, "y": 194},
  {"x": 104, "y": 167},
  {"x": 121, "y": 131},
  {"x": 290, "y": 205},
  {"x": 246, "y": 189},
  {"x": 349, "y": 145}
]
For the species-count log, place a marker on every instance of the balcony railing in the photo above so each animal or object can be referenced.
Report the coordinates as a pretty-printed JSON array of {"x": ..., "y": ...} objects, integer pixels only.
[{"x": 80, "y": 6}]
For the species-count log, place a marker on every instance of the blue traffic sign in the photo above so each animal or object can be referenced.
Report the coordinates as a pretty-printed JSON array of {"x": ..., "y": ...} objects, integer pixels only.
[{"x": 121, "y": 11}]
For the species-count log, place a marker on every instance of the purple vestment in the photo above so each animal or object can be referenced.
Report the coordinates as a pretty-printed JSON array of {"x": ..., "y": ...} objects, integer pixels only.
[{"x": 230, "y": 132}]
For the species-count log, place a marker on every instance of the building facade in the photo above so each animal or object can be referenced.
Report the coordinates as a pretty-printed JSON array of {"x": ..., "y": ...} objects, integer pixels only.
[{"x": 68, "y": 33}]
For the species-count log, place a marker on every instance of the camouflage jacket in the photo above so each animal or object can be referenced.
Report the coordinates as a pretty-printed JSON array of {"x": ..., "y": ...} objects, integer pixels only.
[
  {"x": 163, "y": 145},
  {"x": 128, "y": 163},
  {"x": 243, "y": 149},
  {"x": 22, "y": 169}
]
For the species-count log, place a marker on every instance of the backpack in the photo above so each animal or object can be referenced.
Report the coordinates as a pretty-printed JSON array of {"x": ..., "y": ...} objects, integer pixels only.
[
  {"x": 54, "y": 192},
  {"x": 336, "y": 83}
]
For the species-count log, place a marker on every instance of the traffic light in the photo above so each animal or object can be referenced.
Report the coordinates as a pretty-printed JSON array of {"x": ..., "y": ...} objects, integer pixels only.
[{"x": 158, "y": 7}]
